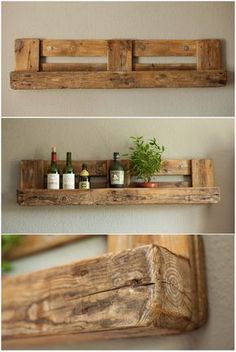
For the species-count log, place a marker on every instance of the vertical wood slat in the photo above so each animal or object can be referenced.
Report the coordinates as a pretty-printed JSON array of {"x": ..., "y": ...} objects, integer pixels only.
[
  {"x": 119, "y": 55},
  {"x": 31, "y": 174},
  {"x": 202, "y": 173},
  {"x": 208, "y": 55},
  {"x": 27, "y": 54}
]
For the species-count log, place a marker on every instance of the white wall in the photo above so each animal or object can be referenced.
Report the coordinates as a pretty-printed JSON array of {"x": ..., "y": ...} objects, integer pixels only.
[
  {"x": 143, "y": 20},
  {"x": 218, "y": 333},
  {"x": 97, "y": 139}
]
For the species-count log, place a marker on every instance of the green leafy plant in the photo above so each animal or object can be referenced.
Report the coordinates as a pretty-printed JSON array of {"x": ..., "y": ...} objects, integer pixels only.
[
  {"x": 145, "y": 158},
  {"x": 8, "y": 242}
]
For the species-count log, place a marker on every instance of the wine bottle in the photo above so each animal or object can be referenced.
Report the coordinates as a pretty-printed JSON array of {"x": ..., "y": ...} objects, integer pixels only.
[
  {"x": 116, "y": 172},
  {"x": 84, "y": 182},
  {"x": 68, "y": 177},
  {"x": 53, "y": 173}
]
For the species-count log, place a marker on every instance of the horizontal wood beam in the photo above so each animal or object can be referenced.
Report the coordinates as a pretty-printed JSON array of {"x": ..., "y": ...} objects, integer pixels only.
[
  {"x": 164, "y": 47},
  {"x": 109, "y": 80},
  {"x": 124, "y": 196},
  {"x": 144, "y": 291}
]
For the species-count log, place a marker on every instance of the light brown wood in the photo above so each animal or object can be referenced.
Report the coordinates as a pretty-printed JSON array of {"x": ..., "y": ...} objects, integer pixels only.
[
  {"x": 208, "y": 55},
  {"x": 202, "y": 173},
  {"x": 31, "y": 244},
  {"x": 164, "y": 48},
  {"x": 119, "y": 55},
  {"x": 147, "y": 290},
  {"x": 110, "y": 80},
  {"x": 123, "y": 196},
  {"x": 178, "y": 244},
  {"x": 164, "y": 67},
  {"x": 51, "y": 47},
  {"x": 27, "y": 54},
  {"x": 58, "y": 67}
]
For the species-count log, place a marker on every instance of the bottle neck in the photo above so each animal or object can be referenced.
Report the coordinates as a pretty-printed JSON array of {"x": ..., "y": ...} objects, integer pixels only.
[
  {"x": 53, "y": 157},
  {"x": 68, "y": 160}
]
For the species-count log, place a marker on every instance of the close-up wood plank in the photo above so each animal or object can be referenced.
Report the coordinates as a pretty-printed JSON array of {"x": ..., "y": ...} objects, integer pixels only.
[
  {"x": 146, "y": 290},
  {"x": 119, "y": 55},
  {"x": 30, "y": 244},
  {"x": 164, "y": 47},
  {"x": 208, "y": 55},
  {"x": 27, "y": 54},
  {"x": 123, "y": 196},
  {"x": 202, "y": 173},
  {"x": 110, "y": 80}
]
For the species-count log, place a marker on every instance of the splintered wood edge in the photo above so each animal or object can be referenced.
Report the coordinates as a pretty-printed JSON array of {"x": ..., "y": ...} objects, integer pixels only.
[{"x": 139, "y": 292}]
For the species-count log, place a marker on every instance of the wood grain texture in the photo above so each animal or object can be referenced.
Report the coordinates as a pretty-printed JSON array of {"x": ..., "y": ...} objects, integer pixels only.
[
  {"x": 164, "y": 48},
  {"x": 178, "y": 244},
  {"x": 125, "y": 196},
  {"x": 208, "y": 55},
  {"x": 31, "y": 244},
  {"x": 119, "y": 55},
  {"x": 115, "y": 80},
  {"x": 202, "y": 173},
  {"x": 146, "y": 290},
  {"x": 27, "y": 54},
  {"x": 52, "y": 47}
]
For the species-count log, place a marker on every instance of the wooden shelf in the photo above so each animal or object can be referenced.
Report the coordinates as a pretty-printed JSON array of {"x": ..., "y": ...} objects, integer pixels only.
[
  {"x": 125, "y": 196},
  {"x": 143, "y": 291},
  {"x": 197, "y": 186},
  {"x": 121, "y": 70}
]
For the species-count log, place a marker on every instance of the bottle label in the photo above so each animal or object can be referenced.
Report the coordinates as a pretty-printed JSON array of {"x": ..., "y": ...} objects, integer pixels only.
[
  {"x": 84, "y": 185},
  {"x": 117, "y": 177},
  {"x": 68, "y": 181},
  {"x": 53, "y": 181}
]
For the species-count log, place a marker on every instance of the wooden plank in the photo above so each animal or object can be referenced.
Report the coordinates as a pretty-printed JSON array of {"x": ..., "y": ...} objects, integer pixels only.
[
  {"x": 30, "y": 244},
  {"x": 51, "y": 47},
  {"x": 119, "y": 55},
  {"x": 202, "y": 173},
  {"x": 164, "y": 67},
  {"x": 57, "y": 67},
  {"x": 125, "y": 196},
  {"x": 31, "y": 174},
  {"x": 177, "y": 244},
  {"x": 164, "y": 47},
  {"x": 27, "y": 54},
  {"x": 110, "y": 80},
  {"x": 138, "y": 289},
  {"x": 95, "y": 167},
  {"x": 50, "y": 67},
  {"x": 208, "y": 55},
  {"x": 162, "y": 184}
]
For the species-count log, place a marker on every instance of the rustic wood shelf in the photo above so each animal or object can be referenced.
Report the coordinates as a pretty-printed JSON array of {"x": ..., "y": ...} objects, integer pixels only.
[
  {"x": 143, "y": 291},
  {"x": 197, "y": 189},
  {"x": 121, "y": 69}
]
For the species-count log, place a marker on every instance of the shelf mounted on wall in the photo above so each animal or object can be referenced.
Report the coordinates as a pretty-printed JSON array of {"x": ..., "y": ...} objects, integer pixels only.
[
  {"x": 196, "y": 187},
  {"x": 120, "y": 69}
]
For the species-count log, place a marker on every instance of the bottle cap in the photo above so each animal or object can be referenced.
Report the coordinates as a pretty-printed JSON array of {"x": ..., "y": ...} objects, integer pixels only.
[
  {"x": 54, "y": 149},
  {"x": 116, "y": 155}
]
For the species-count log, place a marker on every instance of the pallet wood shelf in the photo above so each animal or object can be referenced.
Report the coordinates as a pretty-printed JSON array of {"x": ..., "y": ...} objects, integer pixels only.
[
  {"x": 197, "y": 189},
  {"x": 120, "y": 69},
  {"x": 143, "y": 291}
]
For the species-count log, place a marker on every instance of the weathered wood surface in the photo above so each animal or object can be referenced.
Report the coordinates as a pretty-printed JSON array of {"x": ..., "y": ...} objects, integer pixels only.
[
  {"x": 187, "y": 246},
  {"x": 125, "y": 196},
  {"x": 51, "y": 47},
  {"x": 147, "y": 290},
  {"x": 208, "y": 55},
  {"x": 119, "y": 55},
  {"x": 50, "y": 67},
  {"x": 164, "y": 47},
  {"x": 202, "y": 173},
  {"x": 27, "y": 54},
  {"x": 177, "y": 244},
  {"x": 30, "y": 244},
  {"x": 115, "y": 80}
]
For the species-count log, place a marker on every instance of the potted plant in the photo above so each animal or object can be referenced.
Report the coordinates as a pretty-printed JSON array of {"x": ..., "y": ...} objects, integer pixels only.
[{"x": 145, "y": 160}]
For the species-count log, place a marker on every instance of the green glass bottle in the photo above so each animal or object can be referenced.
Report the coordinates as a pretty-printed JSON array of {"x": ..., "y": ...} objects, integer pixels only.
[
  {"x": 116, "y": 172},
  {"x": 53, "y": 173},
  {"x": 68, "y": 177},
  {"x": 84, "y": 179}
]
